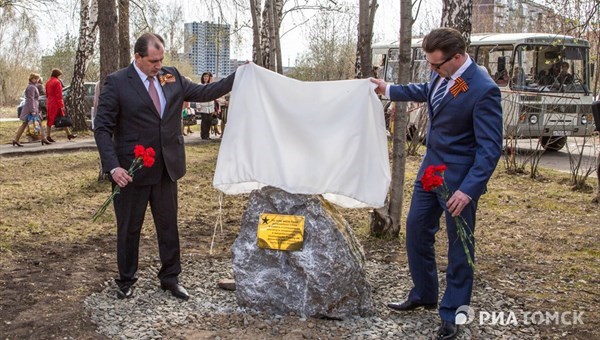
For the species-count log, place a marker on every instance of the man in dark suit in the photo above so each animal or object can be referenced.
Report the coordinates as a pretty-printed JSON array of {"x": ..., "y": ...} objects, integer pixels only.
[
  {"x": 141, "y": 104},
  {"x": 465, "y": 134}
]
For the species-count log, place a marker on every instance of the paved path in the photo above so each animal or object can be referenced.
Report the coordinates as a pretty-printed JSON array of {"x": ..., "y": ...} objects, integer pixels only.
[
  {"x": 77, "y": 144},
  {"x": 586, "y": 148}
]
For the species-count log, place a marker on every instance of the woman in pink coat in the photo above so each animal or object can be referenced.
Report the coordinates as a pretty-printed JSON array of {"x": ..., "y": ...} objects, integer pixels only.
[
  {"x": 55, "y": 106},
  {"x": 30, "y": 112}
]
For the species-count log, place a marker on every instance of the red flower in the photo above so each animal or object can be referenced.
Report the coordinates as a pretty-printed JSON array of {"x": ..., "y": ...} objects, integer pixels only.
[
  {"x": 441, "y": 168},
  {"x": 148, "y": 157},
  {"x": 148, "y": 161},
  {"x": 143, "y": 157},
  {"x": 139, "y": 151},
  {"x": 150, "y": 152},
  {"x": 430, "y": 180}
]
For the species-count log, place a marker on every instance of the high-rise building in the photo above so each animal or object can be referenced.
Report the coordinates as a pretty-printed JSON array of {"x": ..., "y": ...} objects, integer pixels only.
[
  {"x": 207, "y": 47},
  {"x": 514, "y": 16}
]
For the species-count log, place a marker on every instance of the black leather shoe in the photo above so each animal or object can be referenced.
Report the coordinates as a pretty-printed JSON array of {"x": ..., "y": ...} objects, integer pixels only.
[
  {"x": 125, "y": 293},
  {"x": 410, "y": 305},
  {"x": 447, "y": 331},
  {"x": 177, "y": 291}
]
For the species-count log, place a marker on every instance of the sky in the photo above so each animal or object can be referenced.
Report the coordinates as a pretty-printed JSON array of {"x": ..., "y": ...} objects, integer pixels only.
[{"x": 55, "y": 25}]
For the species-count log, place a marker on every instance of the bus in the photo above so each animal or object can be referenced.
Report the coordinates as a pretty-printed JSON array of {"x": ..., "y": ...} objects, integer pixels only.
[{"x": 544, "y": 80}]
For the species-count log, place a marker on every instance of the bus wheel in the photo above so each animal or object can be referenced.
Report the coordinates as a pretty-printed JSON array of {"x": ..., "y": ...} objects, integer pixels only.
[{"x": 553, "y": 143}]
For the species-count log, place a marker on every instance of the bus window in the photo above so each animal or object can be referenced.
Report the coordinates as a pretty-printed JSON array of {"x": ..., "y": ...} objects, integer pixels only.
[
  {"x": 553, "y": 68},
  {"x": 421, "y": 72},
  {"x": 392, "y": 68},
  {"x": 496, "y": 59},
  {"x": 378, "y": 64}
]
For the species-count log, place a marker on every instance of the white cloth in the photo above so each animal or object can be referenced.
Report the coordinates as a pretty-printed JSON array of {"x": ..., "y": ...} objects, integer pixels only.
[{"x": 304, "y": 137}]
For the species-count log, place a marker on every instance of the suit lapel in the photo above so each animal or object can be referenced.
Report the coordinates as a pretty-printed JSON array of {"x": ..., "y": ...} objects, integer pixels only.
[
  {"x": 140, "y": 88},
  {"x": 433, "y": 80},
  {"x": 167, "y": 92}
]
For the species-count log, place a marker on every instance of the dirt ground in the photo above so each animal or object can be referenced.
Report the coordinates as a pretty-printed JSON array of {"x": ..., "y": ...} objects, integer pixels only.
[{"x": 538, "y": 242}]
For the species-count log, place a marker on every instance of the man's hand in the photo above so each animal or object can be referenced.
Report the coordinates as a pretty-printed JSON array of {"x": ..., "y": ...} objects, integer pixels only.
[
  {"x": 381, "y": 85},
  {"x": 121, "y": 177},
  {"x": 457, "y": 203}
]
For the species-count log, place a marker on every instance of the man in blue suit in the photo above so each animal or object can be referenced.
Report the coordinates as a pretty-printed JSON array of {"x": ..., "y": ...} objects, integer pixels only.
[{"x": 465, "y": 134}]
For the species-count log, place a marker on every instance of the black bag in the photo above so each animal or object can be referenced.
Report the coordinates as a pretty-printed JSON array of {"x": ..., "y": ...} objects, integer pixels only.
[
  {"x": 189, "y": 120},
  {"x": 63, "y": 121}
]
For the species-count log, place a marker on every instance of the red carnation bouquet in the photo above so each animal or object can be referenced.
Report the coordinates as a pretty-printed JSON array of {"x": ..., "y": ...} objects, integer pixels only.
[
  {"x": 144, "y": 157},
  {"x": 433, "y": 180}
]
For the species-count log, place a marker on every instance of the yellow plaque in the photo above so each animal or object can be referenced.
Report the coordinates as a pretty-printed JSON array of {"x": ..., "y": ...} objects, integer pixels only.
[{"x": 281, "y": 232}]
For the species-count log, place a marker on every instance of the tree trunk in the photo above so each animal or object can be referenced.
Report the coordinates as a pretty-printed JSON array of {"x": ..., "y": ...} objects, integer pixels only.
[
  {"x": 457, "y": 14},
  {"x": 268, "y": 38},
  {"x": 109, "y": 45},
  {"x": 386, "y": 221},
  {"x": 276, "y": 15},
  {"x": 366, "y": 17},
  {"x": 124, "y": 49},
  {"x": 597, "y": 198},
  {"x": 88, "y": 28},
  {"x": 109, "y": 38},
  {"x": 256, "y": 25}
]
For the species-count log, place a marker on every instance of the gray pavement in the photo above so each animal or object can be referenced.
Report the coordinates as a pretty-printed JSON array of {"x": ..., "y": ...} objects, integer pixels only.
[{"x": 78, "y": 144}]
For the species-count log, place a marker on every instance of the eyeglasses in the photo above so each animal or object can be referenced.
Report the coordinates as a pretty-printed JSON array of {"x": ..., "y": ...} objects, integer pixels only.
[{"x": 437, "y": 66}]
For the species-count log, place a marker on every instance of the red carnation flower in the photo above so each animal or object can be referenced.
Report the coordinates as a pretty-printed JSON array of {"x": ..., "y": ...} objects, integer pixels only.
[{"x": 139, "y": 151}]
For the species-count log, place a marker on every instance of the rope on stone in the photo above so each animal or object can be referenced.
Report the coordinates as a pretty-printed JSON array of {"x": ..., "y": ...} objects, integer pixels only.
[{"x": 218, "y": 222}]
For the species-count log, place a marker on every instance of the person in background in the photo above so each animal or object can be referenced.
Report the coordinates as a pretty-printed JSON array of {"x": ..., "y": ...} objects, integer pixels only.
[
  {"x": 31, "y": 110},
  {"x": 501, "y": 77},
  {"x": 55, "y": 105},
  {"x": 40, "y": 87},
  {"x": 465, "y": 135},
  {"x": 224, "y": 107},
  {"x": 564, "y": 77},
  {"x": 206, "y": 109},
  {"x": 518, "y": 77},
  {"x": 215, "y": 118},
  {"x": 186, "y": 112}
]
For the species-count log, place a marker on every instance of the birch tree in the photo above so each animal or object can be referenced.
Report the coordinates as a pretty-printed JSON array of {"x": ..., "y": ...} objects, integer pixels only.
[
  {"x": 386, "y": 221},
  {"x": 457, "y": 14},
  {"x": 256, "y": 25},
  {"x": 366, "y": 19},
  {"x": 266, "y": 24},
  {"x": 88, "y": 29}
]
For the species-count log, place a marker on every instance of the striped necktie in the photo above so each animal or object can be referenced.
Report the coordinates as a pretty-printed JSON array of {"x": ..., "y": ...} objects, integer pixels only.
[{"x": 439, "y": 94}]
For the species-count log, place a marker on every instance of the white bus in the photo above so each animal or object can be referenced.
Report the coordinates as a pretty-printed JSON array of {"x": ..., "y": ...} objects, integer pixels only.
[{"x": 544, "y": 80}]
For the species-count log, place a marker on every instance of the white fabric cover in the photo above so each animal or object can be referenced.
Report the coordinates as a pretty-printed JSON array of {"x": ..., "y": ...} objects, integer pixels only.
[{"x": 304, "y": 137}]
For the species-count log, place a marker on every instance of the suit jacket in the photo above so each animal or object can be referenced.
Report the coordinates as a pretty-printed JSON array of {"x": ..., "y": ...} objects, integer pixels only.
[
  {"x": 127, "y": 117},
  {"x": 465, "y": 132}
]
